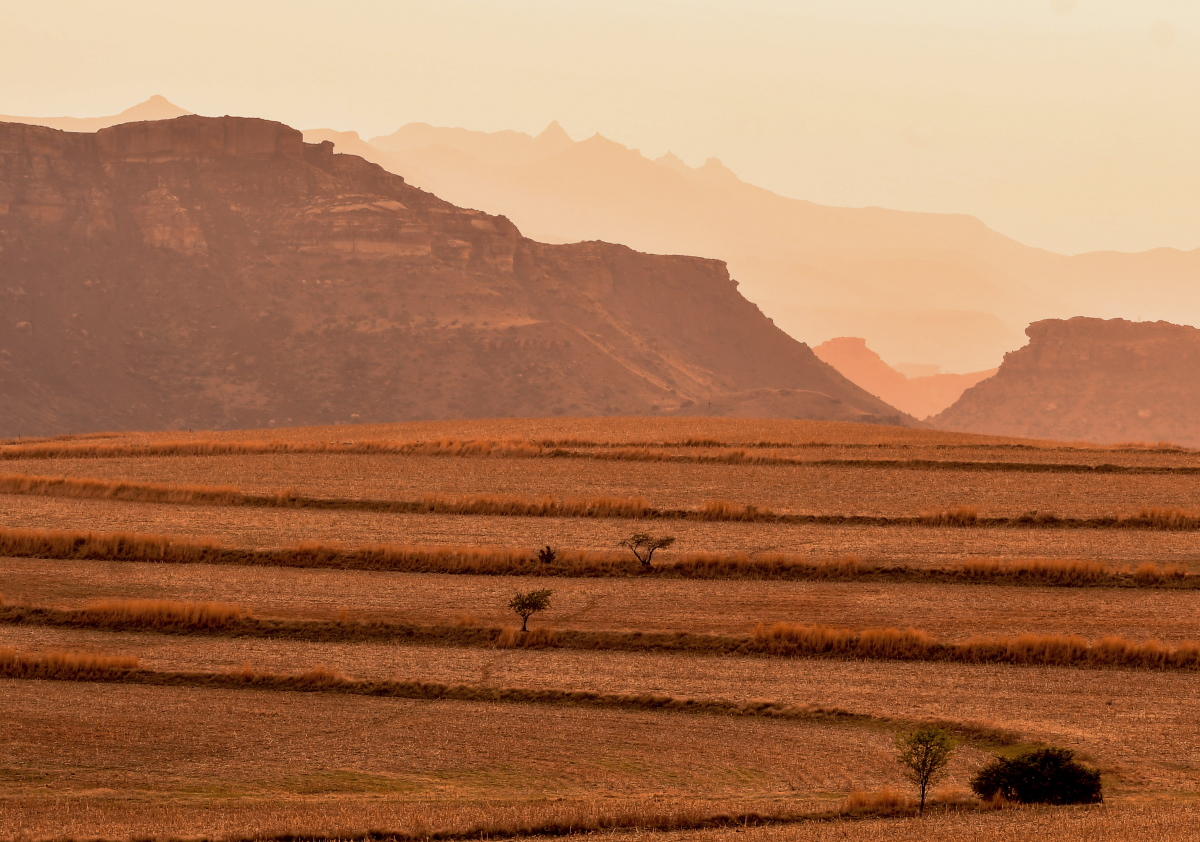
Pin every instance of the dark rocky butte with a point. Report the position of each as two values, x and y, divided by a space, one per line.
220 272
1097 380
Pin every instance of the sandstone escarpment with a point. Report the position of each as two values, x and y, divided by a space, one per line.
220 272
1091 379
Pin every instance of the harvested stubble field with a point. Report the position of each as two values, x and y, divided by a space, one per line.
120 760
1158 822
951 612
253 528
786 489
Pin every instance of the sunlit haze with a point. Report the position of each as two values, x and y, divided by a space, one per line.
1067 125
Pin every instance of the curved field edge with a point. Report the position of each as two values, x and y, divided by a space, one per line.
93 667
784 640
493 561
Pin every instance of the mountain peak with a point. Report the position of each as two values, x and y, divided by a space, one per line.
673 162
158 107
714 169
554 133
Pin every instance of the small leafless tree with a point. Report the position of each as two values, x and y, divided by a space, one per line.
525 605
924 755
643 545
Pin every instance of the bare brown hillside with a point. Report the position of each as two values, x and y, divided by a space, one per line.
220 272
1091 379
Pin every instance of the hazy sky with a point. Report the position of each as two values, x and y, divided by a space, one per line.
1069 124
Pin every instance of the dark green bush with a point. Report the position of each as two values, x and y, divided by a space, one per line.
1042 776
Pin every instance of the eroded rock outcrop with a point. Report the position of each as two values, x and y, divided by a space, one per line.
220 272
1094 380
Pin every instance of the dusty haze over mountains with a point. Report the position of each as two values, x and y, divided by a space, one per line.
1065 124
923 288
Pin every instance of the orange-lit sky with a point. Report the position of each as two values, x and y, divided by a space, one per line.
1068 124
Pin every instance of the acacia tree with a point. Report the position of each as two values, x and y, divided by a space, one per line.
525 605
924 755
643 545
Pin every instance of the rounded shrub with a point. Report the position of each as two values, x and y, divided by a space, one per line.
1042 776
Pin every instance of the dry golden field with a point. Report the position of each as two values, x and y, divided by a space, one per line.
119 760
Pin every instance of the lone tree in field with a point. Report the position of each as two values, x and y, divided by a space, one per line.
643 545
924 755
525 605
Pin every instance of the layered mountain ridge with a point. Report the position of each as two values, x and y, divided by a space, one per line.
222 272
1108 381
927 287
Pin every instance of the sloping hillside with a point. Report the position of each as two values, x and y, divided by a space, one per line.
1094 380
220 272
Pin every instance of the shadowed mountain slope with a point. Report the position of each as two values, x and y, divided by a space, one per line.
1094 380
918 396
220 272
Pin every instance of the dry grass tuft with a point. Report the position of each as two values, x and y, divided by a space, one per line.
1042 571
163 613
65 666
958 516
881 802
723 510
1172 519
522 506
788 639
513 638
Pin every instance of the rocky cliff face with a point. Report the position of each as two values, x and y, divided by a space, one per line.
220 272
1091 379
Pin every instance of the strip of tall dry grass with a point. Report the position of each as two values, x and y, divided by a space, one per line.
741 453
65 666
452 822
161 613
492 561
1026 649
777 640
595 507
77 666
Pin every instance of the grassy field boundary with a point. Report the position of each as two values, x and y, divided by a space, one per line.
577 448
623 508
85 666
782 640
493 561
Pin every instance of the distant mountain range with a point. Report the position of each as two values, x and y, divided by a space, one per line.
155 108
920 396
920 288
221 272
